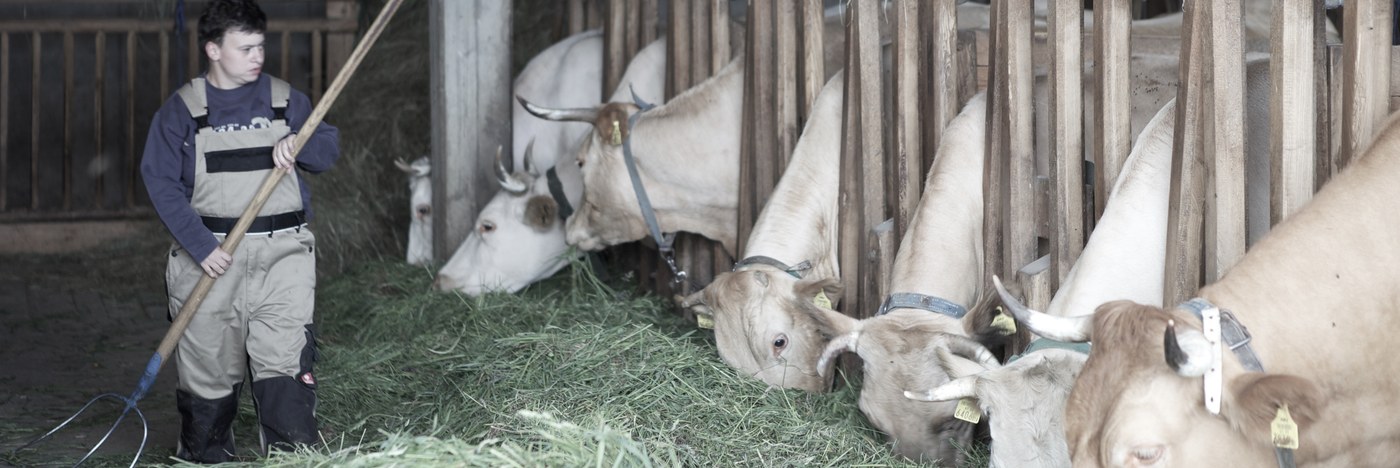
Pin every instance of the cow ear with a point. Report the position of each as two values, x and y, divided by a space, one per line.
1257 398
611 122
983 325
828 288
540 212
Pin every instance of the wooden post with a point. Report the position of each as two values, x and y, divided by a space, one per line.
1020 240
195 52
811 62
994 168
317 71
339 44
651 16
906 170
862 166
1067 139
1365 94
34 124
1113 127
1293 133
1224 98
614 44
99 78
943 101
474 89
133 171
759 166
786 87
577 17
678 43
164 65
719 35
700 67
1187 199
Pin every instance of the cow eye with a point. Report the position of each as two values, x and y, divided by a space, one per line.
424 211
1147 455
487 227
579 161
780 342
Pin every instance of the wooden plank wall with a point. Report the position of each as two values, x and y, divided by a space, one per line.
862 204
697 46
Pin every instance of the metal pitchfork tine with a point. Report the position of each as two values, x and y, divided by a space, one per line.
230 244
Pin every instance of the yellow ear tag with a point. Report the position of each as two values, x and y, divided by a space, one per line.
1004 323
967 411
821 300
617 134
1284 430
705 321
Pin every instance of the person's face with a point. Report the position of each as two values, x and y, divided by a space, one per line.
237 61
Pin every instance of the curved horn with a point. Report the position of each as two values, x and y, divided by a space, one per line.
1069 329
1188 353
530 157
508 181
588 114
957 366
403 166
972 350
958 389
838 345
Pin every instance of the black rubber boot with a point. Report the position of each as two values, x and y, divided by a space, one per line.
286 412
206 434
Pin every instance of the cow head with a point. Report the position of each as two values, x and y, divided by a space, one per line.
1025 400
900 351
420 202
768 325
519 237
609 214
1139 402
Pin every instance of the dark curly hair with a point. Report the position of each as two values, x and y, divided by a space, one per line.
230 15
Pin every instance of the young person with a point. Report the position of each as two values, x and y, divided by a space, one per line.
209 148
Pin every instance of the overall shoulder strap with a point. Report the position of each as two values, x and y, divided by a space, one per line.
281 95
193 94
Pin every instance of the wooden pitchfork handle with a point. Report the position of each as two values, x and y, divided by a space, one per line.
201 289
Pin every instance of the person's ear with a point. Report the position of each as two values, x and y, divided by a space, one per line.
211 50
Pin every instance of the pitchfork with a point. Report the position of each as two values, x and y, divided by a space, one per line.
201 289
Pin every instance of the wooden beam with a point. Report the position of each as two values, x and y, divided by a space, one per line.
906 170
785 84
1113 125
700 66
1225 210
69 96
870 108
1020 170
318 72
164 66
1293 113
339 44
475 91
719 35
1365 94
133 173
1067 139
994 168
348 25
1329 156
285 63
678 41
35 84
943 101
651 15
99 83
614 44
1186 212
577 17
811 57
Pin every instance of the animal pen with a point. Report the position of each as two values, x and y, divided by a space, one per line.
1328 99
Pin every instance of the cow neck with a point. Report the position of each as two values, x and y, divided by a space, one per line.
939 261
686 153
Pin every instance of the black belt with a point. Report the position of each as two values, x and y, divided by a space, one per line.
270 223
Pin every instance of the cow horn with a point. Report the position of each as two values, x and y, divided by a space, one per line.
972 350
1069 329
964 387
529 158
1191 360
508 181
957 366
587 114
838 345
403 166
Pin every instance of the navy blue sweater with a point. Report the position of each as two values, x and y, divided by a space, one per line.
168 164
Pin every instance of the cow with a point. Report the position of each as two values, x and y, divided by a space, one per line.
568 71
938 265
1141 399
519 235
420 203
687 155
1124 258
790 264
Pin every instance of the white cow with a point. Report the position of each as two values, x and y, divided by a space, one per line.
790 261
519 234
936 279
420 204
1124 258
1315 300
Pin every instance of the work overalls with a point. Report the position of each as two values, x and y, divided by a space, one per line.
257 319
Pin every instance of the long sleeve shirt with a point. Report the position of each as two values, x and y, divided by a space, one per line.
168 163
